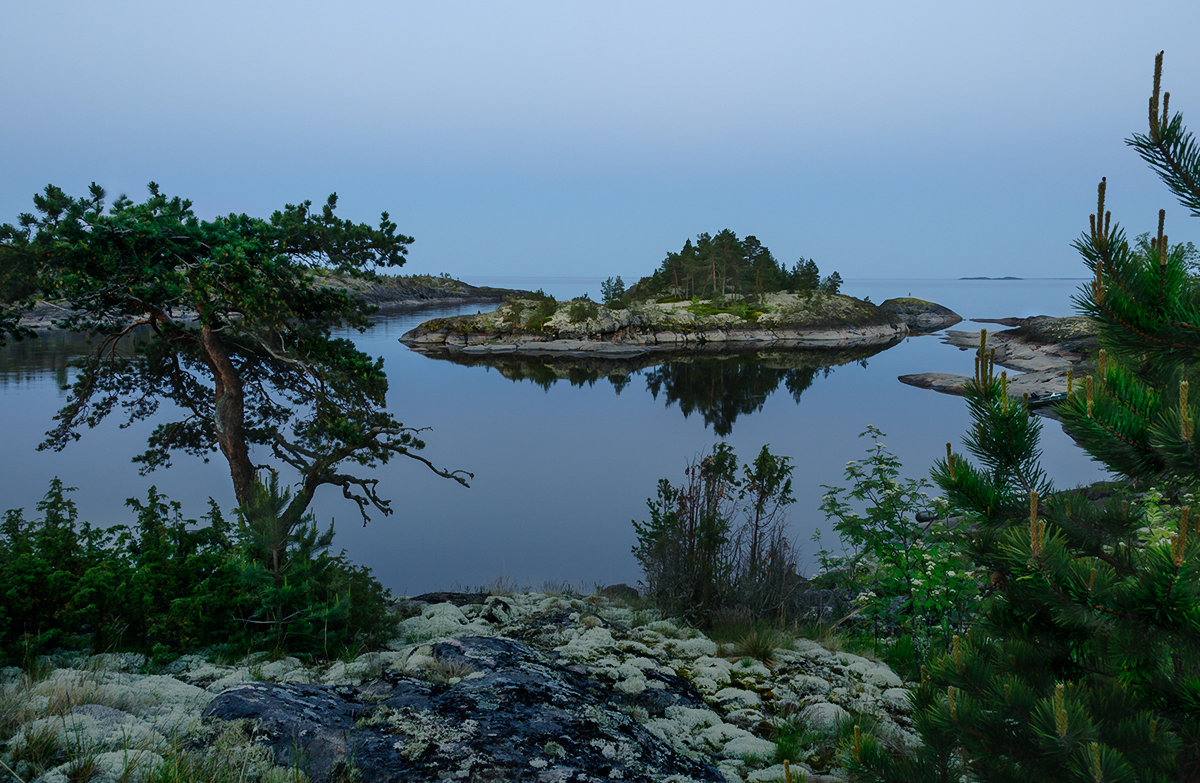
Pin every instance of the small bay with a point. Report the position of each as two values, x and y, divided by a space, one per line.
563 458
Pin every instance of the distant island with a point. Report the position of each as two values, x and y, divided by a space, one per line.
387 292
717 294
984 277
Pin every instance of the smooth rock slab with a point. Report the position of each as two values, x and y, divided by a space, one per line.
515 715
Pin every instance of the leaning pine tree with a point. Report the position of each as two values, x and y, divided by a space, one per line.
1085 663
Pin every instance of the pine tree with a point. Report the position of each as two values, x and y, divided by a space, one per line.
1085 662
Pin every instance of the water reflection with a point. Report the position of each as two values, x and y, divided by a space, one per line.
53 353
718 388
32 359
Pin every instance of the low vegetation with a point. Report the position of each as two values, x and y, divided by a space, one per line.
164 584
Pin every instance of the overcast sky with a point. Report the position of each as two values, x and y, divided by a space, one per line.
883 139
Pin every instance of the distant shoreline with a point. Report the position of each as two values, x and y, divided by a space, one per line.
388 294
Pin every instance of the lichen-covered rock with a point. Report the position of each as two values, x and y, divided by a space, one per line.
874 673
515 714
816 320
504 687
123 766
824 716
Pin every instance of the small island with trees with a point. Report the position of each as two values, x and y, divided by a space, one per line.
719 293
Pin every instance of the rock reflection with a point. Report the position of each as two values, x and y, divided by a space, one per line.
720 388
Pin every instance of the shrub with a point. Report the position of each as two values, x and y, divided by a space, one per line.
167 584
901 559
544 308
582 309
716 543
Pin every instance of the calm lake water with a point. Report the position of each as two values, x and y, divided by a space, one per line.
562 464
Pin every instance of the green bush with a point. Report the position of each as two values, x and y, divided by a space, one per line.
541 314
582 309
904 563
714 547
166 584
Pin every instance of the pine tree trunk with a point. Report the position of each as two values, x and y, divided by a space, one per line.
229 415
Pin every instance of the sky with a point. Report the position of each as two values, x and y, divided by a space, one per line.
586 139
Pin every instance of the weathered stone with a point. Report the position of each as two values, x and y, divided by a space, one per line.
824 716
504 707
787 320
918 314
621 592
516 713
1041 348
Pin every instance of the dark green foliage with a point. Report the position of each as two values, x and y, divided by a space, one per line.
167 584
612 291
582 309
543 310
742 310
296 595
914 588
715 266
831 284
1134 414
1086 656
239 313
805 276
716 543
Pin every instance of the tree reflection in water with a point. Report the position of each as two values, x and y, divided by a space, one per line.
718 387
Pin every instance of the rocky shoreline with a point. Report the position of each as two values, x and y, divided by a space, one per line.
650 342
1042 349
583 328
389 294
537 687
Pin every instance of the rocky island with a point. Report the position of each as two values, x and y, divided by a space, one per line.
580 327
719 294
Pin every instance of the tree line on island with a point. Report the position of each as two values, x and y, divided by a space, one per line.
715 266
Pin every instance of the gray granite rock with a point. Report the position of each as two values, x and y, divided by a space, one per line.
1039 351
509 712
918 314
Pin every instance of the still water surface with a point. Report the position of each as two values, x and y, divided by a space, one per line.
562 464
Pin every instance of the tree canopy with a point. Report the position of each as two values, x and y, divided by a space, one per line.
231 320
713 266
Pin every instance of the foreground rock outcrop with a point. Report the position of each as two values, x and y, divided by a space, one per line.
474 687
506 712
